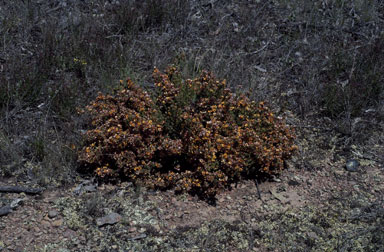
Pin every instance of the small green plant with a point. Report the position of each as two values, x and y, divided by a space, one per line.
194 135
38 148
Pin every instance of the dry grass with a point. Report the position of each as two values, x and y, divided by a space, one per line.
315 58
319 57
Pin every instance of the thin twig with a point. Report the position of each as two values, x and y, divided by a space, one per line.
310 127
258 190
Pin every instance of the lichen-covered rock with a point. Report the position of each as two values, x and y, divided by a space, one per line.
109 219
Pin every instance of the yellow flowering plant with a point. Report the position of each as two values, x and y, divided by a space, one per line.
125 140
192 135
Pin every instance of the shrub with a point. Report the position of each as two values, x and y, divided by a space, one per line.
126 139
194 135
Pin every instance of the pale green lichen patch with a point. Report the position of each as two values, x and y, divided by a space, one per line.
135 211
71 208
216 235
337 226
346 221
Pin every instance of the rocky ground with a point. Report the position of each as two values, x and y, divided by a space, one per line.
315 205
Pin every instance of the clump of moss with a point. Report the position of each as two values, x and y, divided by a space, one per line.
194 135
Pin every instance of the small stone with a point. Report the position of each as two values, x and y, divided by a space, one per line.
77 190
109 219
69 234
142 230
15 203
352 165
157 227
297 178
45 223
85 186
313 235
57 223
90 188
339 172
52 214
132 229
27 242
293 182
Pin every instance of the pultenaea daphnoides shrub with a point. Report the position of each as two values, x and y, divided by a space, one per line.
192 135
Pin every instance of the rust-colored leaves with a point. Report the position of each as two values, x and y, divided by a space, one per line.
194 135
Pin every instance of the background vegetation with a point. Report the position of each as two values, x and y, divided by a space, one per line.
314 58
320 63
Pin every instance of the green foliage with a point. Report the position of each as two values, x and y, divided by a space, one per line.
194 135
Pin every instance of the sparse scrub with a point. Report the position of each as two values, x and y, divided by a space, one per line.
194 135
318 62
295 54
286 56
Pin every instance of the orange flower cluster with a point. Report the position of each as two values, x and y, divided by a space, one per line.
126 140
224 137
194 135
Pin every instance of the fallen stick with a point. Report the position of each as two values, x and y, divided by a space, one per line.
138 237
258 190
20 189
